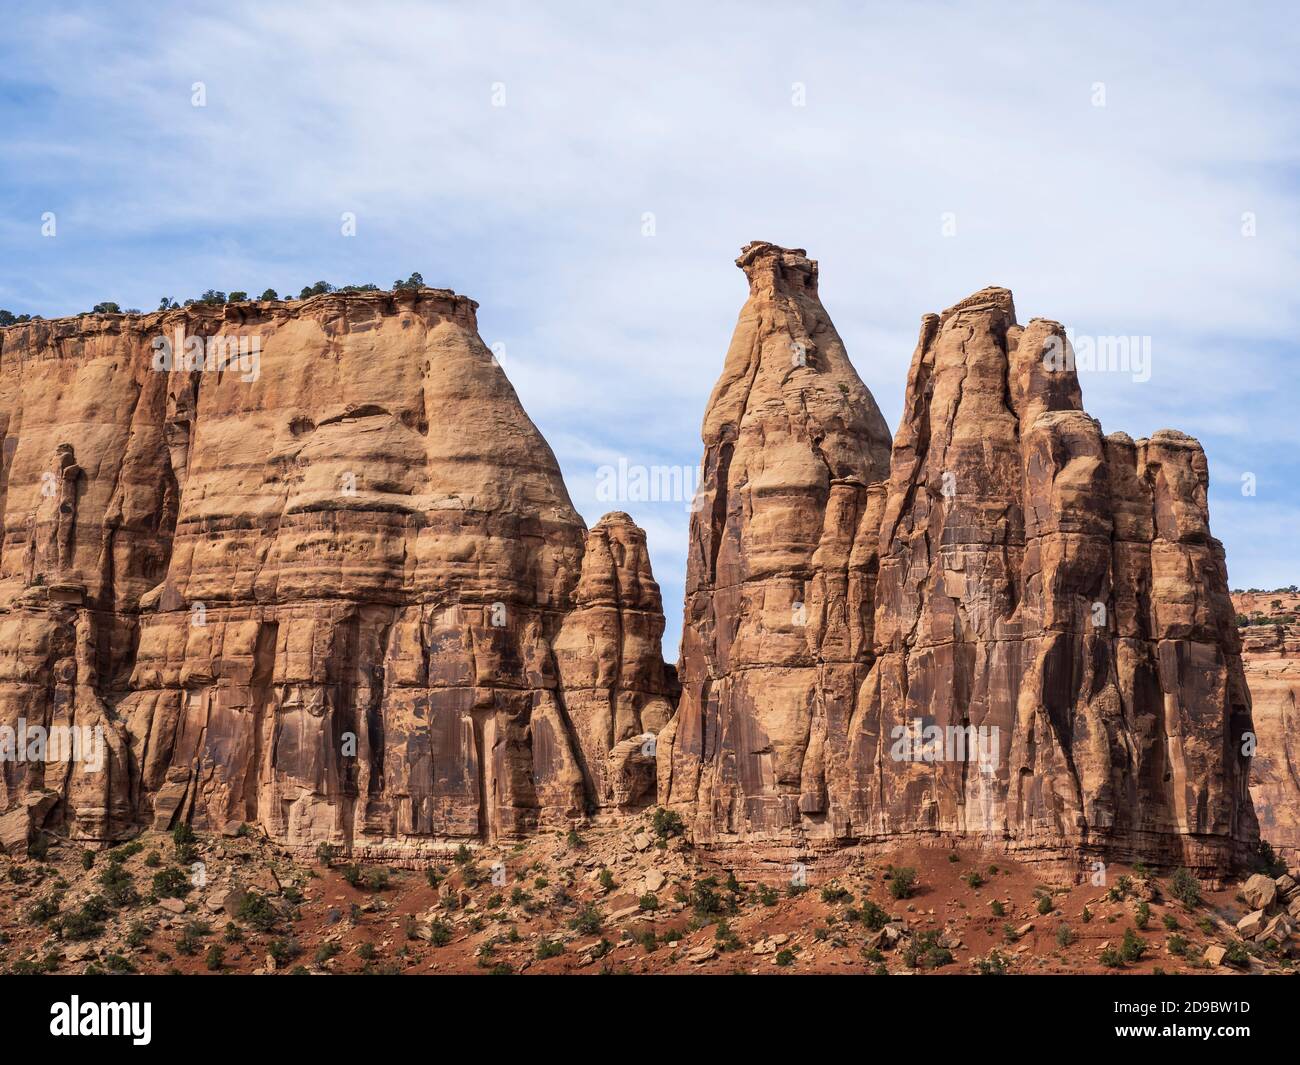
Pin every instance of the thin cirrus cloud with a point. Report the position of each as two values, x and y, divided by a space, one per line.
1123 219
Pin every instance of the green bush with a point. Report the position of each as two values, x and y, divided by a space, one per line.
923 951
666 823
588 921
326 951
903 882
171 883
873 916
549 948
283 950
257 912
1236 955
1185 888
1132 948
118 885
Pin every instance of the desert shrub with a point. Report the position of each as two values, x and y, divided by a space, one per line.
1132 948
923 951
171 883
257 912
666 823
283 950
588 921
1236 955
903 882
549 948
872 915
118 885
1185 888
326 951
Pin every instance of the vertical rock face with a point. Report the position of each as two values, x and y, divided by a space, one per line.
313 583
1053 597
616 688
777 617
1271 653
1016 631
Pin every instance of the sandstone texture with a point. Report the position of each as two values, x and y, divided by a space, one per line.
777 631
329 583
1270 640
1011 577
309 566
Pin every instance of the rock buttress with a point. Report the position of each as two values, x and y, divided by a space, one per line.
776 634
1271 654
1051 598
315 589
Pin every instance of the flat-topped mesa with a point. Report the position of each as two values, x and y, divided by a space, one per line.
774 614
306 573
1057 592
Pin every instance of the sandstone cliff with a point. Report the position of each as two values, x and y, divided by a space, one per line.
312 567
1270 629
1048 596
777 618
319 583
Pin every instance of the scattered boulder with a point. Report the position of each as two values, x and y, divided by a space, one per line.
1260 891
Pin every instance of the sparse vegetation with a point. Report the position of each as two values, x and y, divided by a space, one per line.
902 882
1185 888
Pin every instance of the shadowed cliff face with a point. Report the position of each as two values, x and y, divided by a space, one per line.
1016 631
317 589
1271 653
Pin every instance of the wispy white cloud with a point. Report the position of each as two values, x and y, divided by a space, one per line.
1122 219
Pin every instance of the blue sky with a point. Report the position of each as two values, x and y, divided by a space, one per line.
1098 161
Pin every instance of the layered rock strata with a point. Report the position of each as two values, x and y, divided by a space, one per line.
1270 630
313 571
1017 633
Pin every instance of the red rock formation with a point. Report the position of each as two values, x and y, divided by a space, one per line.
616 688
1271 654
316 587
777 617
1038 588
